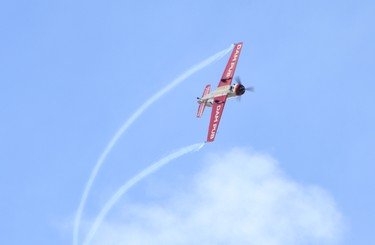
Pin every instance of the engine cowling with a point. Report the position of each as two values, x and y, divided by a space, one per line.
240 89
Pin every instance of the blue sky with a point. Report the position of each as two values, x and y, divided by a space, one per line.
73 71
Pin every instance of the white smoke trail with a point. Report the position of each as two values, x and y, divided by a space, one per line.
130 183
129 122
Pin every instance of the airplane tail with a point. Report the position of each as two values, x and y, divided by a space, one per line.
202 105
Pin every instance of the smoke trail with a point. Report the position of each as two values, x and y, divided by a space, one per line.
130 183
129 122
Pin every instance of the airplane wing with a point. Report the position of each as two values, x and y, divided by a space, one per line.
227 77
217 110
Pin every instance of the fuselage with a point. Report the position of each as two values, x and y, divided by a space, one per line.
229 90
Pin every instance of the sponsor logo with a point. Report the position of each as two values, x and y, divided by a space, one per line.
216 121
234 61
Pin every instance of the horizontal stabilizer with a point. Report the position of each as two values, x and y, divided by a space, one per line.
203 104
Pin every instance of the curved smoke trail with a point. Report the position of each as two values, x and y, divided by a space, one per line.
129 122
130 183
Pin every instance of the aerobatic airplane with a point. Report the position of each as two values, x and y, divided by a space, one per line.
217 99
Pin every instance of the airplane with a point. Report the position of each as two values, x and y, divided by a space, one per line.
225 90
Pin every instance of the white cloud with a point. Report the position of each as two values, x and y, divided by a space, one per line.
241 197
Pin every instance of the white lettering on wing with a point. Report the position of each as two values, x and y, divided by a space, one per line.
233 61
216 121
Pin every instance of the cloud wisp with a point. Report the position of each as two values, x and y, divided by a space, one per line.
240 197
127 124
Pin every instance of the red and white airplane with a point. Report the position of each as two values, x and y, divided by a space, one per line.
217 99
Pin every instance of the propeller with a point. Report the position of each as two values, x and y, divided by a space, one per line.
251 89
238 80
240 90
